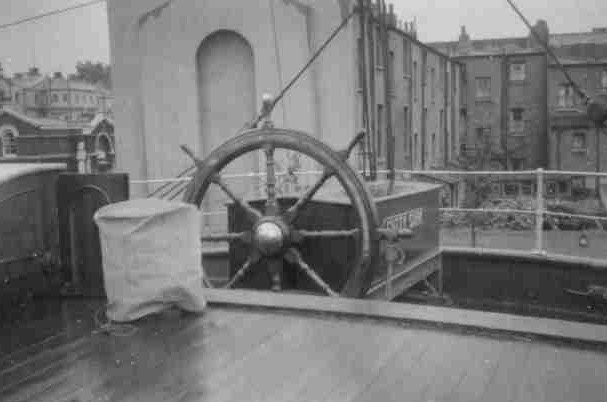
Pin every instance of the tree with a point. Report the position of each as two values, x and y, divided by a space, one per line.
94 73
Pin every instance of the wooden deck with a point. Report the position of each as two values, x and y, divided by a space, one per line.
54 351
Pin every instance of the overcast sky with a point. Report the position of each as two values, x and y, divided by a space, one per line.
57 42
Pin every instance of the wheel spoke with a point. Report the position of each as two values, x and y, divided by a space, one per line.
294 210
326 233
271 203
243 236
254 258
251 212
294 257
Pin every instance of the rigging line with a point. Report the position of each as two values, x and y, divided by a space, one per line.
546 47
50 13
278 61
304 68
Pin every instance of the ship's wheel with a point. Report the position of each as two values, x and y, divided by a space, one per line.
273 235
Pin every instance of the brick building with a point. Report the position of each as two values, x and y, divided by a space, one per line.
28 139
506 100
423 100
41 96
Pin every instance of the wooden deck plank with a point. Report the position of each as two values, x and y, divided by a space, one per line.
96 350
364 350
385 385
413 385
182 362
478 371
563 374
255 380
509 374
260 354
107 357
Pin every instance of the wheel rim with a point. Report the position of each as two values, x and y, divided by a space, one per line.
273 235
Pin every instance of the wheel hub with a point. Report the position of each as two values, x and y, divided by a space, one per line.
269 238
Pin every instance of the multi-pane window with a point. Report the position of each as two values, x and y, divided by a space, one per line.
483 133
406 131
579 142
517 122
406 54
604 80
380 129
9 144
432 83
415 80
378 48
566 97
483 87
517 71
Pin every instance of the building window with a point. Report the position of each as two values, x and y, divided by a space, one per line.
391 89
566 96
433 150
517 122
578 144
483 87
406 131
518 164
380 129
415 148
55 98
64 97
17 97
9 143
511 189
415 80
483 133
3 95
432 83
604 80
378 49
526 187
517 72
406 54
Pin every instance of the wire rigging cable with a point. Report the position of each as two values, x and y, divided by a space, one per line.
50 13
546 46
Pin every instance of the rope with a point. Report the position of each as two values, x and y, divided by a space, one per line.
278 60
48 14
307 65
110 328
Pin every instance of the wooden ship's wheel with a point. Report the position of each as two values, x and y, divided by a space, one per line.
273 236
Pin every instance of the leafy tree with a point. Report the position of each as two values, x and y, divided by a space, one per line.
94 73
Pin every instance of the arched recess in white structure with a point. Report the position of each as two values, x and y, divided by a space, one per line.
8 140
226 93
103 145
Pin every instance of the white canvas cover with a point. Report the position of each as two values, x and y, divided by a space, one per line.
151 256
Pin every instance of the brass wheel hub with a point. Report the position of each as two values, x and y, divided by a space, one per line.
269 238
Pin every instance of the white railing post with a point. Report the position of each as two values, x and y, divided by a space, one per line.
539 213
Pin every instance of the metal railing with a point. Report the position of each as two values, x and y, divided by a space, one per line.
542 238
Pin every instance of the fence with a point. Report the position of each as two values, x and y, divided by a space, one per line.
536 211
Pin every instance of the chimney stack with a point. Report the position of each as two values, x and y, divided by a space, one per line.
33 72
541 29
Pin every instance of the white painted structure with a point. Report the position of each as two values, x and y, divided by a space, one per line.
193 72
